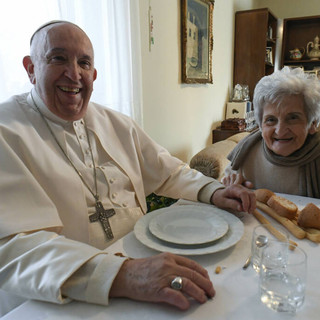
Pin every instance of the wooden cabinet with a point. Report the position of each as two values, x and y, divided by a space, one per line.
297 32
255 33
219 134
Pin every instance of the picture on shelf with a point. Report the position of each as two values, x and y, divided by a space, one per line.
269 57
313 73
297 66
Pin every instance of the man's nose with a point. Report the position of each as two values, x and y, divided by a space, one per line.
73 71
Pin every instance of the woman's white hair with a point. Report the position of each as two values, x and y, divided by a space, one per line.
286 82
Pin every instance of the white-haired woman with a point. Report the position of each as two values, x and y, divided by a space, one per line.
284 154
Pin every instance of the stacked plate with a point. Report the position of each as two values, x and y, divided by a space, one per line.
189 229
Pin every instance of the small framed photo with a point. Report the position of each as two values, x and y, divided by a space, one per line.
315 73
269 57
196 40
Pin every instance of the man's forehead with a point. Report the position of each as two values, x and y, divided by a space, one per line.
54 36
51 23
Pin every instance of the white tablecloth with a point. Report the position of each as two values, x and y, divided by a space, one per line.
236 289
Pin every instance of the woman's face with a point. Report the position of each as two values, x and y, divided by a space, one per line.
285 128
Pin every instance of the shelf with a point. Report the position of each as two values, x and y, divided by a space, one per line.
271 41
297 33
300 61
306 64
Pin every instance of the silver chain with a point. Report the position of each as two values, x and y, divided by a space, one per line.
95 195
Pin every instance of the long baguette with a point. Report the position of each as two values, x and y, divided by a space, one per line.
294 229
280 236
311 233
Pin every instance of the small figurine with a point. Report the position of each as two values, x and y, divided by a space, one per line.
245 92
237 93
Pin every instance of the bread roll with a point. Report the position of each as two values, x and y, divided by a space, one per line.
309 216
283 207
263 195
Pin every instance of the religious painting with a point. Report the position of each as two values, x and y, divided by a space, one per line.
197 40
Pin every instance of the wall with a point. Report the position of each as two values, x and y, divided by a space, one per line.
291 8
178 116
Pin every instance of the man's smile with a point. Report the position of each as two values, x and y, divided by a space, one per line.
69 90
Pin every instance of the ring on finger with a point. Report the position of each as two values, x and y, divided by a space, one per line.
176 283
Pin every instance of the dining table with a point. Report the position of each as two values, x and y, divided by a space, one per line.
237 289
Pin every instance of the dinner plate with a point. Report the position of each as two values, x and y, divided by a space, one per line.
233 235
188 225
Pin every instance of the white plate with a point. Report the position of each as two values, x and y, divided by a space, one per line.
233 235
188 225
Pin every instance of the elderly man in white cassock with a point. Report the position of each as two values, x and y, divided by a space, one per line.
74 179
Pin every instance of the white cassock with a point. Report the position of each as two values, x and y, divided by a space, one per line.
49 250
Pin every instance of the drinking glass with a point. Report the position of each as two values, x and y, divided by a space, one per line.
262 230
283 274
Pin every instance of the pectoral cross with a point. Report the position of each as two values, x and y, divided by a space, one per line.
103 215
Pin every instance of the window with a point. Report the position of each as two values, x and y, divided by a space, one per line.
112 26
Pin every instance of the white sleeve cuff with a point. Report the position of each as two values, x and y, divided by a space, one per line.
92 282
207 191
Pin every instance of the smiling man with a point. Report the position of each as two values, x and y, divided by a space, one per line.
74 179
61 67
284 154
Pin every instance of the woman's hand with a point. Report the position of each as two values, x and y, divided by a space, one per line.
149 279
236 178
235 197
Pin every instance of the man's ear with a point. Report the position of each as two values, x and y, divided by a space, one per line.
313 128
95 74
29 66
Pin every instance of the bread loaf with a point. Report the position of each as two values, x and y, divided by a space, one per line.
309 216
263 195
282 206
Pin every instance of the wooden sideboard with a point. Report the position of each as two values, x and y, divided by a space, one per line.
219 134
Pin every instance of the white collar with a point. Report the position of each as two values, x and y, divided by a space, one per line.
34 98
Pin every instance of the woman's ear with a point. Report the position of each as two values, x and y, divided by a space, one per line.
313 128
29 66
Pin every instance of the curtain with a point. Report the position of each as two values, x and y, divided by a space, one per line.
114 29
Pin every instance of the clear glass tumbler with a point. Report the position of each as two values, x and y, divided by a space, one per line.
283 275
261 232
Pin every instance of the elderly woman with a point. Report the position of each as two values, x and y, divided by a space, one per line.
284 154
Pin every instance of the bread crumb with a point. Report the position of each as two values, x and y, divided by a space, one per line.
218 270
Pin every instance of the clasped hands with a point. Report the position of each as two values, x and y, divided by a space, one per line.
235 196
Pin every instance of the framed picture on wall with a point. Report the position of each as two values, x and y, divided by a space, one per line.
197 40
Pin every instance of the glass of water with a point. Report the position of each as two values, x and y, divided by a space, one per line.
260 237
283 276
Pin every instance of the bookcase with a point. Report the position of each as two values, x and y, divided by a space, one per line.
254 46
297 33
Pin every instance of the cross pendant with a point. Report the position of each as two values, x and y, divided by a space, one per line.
103 215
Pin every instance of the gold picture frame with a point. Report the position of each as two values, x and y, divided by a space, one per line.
197 40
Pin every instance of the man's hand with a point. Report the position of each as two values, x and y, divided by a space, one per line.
149 279
235 197
236 178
